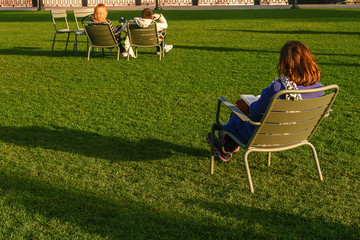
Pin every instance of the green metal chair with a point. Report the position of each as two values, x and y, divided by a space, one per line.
144 37
60 15
81 13
100 35
285 125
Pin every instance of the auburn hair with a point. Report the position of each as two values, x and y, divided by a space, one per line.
147 13
100 13
298 64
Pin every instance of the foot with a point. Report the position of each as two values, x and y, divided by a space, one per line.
225 156
124 54
168 47
229 145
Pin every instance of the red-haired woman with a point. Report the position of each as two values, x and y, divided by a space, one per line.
100 15
297 69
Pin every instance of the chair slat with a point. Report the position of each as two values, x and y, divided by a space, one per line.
269 128
263 139
300 105
296 116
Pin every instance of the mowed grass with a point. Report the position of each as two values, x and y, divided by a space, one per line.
107 149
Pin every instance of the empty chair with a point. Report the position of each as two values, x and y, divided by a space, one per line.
82 13
285 125
60 15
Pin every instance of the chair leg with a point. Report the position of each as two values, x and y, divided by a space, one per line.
269 159
316 161
118 54
89 50
248 171
67 41
52 49
212 162
103 52
75 45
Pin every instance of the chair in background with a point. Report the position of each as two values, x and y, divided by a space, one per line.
144 37
60 15
285 125
100 35
82 13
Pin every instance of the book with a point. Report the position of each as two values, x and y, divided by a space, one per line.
249 99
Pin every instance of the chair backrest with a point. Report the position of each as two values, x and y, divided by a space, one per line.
100 34
81 13
143 37
287 123
59 14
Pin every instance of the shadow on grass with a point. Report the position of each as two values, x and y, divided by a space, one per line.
93 144
59 51
128 217
341 64
224 49
284 32
277 224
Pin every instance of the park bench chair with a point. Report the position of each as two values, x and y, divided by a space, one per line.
285 125
144 37
60 15
100 35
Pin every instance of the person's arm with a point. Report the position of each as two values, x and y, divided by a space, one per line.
162 24
112 26
258 108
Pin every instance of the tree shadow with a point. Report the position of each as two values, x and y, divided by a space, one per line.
277 224
223 49
341 64
129 217
94 145
36 51
284 31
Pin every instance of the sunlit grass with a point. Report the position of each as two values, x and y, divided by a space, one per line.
107 149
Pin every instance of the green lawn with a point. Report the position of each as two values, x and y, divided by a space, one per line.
107 149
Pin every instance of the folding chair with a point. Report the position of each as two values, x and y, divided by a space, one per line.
144 37
60 14
285 125
100 35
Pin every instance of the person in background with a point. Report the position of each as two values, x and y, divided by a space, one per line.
297 69
147 17
100 15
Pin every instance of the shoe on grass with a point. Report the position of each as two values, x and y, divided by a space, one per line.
225 156
168 47
228 144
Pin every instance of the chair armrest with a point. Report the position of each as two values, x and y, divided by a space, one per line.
236 111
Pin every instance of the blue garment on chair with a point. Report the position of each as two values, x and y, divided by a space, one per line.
244 130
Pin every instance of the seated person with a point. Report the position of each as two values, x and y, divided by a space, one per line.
297 69
147 17
100 15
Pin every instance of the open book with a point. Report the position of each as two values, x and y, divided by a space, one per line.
249 99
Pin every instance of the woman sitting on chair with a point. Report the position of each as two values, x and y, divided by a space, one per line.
299 70
100 15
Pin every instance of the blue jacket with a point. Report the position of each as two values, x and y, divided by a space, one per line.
244 130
